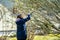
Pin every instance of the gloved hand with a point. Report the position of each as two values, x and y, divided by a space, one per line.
30 13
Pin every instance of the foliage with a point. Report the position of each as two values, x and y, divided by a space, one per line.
45 15
45 37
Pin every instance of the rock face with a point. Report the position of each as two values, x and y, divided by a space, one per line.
7 21
46 15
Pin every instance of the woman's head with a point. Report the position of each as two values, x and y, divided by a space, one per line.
20 16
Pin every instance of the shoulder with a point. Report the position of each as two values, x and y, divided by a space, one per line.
18 19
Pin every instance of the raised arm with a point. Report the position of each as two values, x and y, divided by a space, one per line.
18 21
27 18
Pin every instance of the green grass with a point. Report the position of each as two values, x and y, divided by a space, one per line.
13 38
46 37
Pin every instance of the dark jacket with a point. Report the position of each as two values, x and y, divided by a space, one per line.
21 27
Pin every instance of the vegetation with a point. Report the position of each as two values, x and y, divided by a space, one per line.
46 37
45 19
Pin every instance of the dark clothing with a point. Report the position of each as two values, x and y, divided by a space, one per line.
21 27
21 39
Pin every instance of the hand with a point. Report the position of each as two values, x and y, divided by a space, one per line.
29 13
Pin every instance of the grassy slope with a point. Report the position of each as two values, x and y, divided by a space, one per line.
47 37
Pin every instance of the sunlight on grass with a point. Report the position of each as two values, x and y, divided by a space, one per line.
13 38
45 37
48 37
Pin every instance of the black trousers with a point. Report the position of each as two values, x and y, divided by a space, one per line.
20 39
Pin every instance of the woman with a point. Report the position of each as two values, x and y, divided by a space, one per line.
21 27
